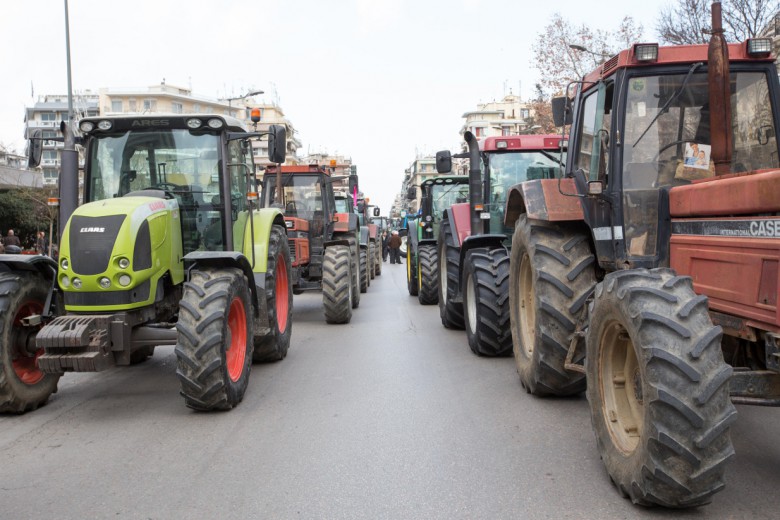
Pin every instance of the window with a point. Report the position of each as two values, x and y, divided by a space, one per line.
116 105
177 108
196 108
525 113
593 152
48 116
150 105
506 130
133 105
479 132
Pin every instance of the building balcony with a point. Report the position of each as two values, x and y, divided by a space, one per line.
50 162
42 124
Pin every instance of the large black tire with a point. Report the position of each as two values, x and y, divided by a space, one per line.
214 348
412 282
337 284
371 261
278 299
486 301
378 258
427 273
354 249
451 312
364 276
22 386
658 388
552 273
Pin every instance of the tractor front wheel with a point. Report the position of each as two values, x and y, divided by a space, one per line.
23 387
337 284
450 311
658 388
428 262
279 301
486 302
214 348
552 273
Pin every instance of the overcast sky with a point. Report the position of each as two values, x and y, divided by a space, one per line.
377 80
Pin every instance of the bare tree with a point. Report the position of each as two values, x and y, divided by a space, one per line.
688 21
559 63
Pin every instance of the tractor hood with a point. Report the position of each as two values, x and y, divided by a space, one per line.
114 252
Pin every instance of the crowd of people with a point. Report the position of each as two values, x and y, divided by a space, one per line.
11 243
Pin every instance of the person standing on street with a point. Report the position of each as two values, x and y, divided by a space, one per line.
385 248
41 244
395 248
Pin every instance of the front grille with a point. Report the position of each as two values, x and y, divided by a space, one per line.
99 298
92 242
291 244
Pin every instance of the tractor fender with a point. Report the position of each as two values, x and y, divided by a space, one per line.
336 241
345 222
364 236
492 241
262 222
459 216
543 199
43 264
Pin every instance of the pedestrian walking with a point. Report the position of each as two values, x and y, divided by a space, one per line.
41 244
385 246
395 248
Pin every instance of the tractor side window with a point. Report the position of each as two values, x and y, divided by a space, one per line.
595 133
239 162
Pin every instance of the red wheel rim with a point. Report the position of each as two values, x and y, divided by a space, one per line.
282 294
26 368
236 353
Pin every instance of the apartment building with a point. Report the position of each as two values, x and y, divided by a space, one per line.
272 114
510 116
421 169
46 115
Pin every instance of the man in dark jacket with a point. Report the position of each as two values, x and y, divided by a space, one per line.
11 239
395 248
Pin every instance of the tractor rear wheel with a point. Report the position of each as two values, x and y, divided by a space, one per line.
364 277
337 284
354 249
371 261
658 388
486 301
428 262
279 302
552 273
214 348
451 312
23 387
412 283
378 257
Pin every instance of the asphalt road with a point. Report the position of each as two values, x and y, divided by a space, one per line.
390 416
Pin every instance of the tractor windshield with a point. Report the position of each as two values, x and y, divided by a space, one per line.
676 147
445 195
171 160
667 141
302 195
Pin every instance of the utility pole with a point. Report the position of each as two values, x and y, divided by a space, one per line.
69 169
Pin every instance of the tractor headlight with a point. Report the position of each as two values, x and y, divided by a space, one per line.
124 280
65 281
215 123
105 125
104 282
124 263
64 263
87 126
77 283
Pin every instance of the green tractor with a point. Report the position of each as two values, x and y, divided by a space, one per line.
422 259
166 249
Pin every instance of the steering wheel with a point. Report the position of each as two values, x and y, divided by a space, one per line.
667 146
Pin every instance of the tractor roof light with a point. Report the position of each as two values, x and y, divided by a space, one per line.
501 145
86 126
105 124
645 52
759 47
194 123
254 115
215 123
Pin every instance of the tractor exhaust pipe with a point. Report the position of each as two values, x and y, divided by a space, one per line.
475 183
720 95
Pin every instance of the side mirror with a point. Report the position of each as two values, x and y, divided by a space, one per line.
353 183
561 111
411 193
277 144
376 212
444 161
34 148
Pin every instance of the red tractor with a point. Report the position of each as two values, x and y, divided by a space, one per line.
651 269
473 241
324 246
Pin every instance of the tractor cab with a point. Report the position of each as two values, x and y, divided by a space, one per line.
644 127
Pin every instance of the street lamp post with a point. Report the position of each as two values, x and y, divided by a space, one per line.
601 55
248 94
